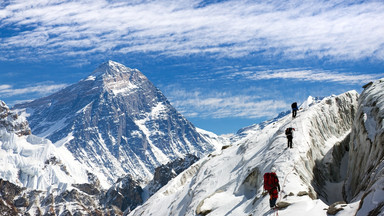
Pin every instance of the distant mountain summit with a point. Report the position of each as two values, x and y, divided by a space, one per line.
116 122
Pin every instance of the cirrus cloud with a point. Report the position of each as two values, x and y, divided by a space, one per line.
302 74
39 89
224 105
293 29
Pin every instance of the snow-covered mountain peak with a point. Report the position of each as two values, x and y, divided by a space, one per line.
111 68
116 122
117 78
310 101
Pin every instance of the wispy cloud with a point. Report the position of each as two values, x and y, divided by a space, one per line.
223 105
257 99
311 75
38 90
292 29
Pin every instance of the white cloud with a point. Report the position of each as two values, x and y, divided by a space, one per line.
260 73
255 101
4 87
295 29
223 105
38 89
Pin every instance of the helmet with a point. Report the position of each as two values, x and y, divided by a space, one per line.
273 169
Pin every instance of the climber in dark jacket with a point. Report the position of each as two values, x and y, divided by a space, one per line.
294 109
289 134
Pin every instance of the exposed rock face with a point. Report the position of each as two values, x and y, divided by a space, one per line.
116 122
92 187
8 192
11 121
366 155
335 208
125 194
15 200
164 173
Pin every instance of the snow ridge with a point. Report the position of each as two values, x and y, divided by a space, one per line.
229 182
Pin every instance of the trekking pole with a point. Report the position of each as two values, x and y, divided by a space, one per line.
276 212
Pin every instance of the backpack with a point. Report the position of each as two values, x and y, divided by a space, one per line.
270 181
288 131
294 105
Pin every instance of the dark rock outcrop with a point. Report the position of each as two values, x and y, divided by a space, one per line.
125 193
335 208
8 121
8 192
164 173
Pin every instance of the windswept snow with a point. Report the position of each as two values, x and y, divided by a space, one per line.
122 87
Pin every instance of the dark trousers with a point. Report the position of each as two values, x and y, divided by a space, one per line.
294 112
272 202
273 197
290 138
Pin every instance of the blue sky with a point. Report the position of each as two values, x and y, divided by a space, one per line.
223 64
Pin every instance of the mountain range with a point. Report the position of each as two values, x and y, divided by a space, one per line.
112 144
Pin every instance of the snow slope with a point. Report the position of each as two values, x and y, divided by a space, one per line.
229 182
